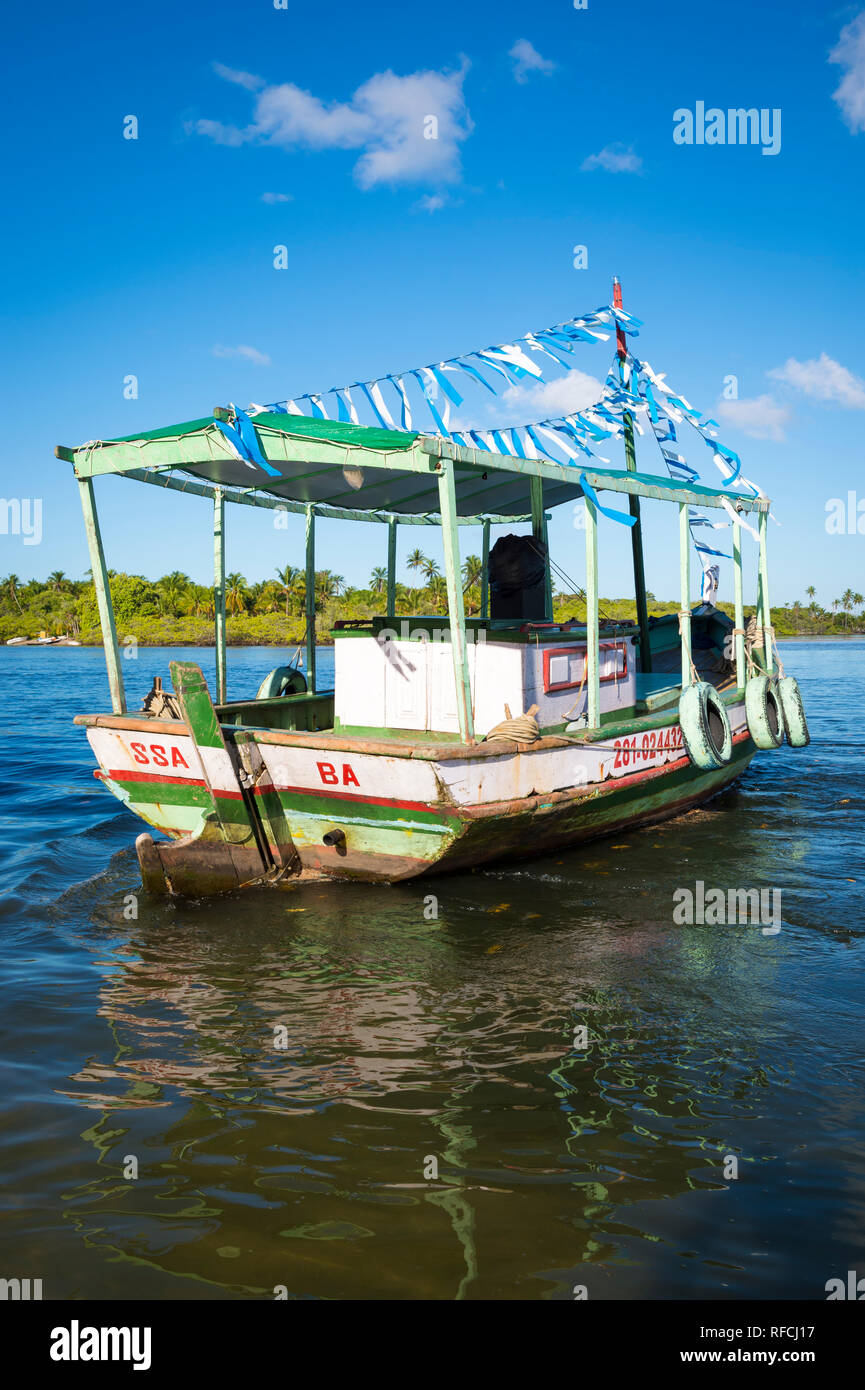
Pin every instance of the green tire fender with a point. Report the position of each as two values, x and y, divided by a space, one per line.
763 712
284 680
794 712
705 726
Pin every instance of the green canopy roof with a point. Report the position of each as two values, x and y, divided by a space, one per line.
344 466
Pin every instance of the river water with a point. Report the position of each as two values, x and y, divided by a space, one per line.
431 1125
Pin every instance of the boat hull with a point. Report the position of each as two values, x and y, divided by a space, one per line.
285 804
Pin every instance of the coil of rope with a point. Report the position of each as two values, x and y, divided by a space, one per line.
522 729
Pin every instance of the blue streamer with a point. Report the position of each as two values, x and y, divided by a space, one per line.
624 518
245 441
446 386
427 390
378 414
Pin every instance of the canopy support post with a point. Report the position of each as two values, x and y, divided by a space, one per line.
593 674
539 534
739 606
391 566
310 599
103 596
456 609
219 592
685 592
633 502
765 610
485 570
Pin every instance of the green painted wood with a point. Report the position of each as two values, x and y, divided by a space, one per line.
456 609
485 568
739 606
391 566
765 606
219 593
206 446
685 592
310 599
103 596
539 532
633 501
251 498
593 673
229 812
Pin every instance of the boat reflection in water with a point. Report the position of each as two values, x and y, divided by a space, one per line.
379 1104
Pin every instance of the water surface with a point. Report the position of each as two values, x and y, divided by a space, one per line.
411 1042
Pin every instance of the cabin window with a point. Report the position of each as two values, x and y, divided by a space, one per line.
565 667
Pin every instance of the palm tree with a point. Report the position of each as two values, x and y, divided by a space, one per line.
11 582
57 580
235 593
430 569
846 604
857 602
473 568
328 584
811 592
378 579
287 577
416 559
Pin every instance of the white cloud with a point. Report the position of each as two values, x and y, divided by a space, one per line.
243 79
532 401
527 59
823 379
277 197
761 417
849 53
409 129
430 202
616 159
251 354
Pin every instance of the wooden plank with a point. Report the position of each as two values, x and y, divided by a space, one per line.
485 571
685 592
593 673
633 501
456 610
765 608
310 598
103 596
219 593
251 498
739 607
391 566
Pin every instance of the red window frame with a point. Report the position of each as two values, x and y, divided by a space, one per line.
552 688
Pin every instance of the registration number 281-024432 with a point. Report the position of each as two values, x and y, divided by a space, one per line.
648 747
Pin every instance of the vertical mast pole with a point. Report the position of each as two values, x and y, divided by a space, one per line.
539 534
485 570
593 674
219 592
765 610
738 599
456 610
103 595
633 502
391 566
310 599
685 592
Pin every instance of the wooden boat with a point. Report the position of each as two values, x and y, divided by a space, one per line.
446 742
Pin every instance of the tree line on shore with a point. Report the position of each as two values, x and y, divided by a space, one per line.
174 608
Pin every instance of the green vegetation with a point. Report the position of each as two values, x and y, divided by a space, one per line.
175 611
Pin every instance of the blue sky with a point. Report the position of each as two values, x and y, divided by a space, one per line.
153 257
